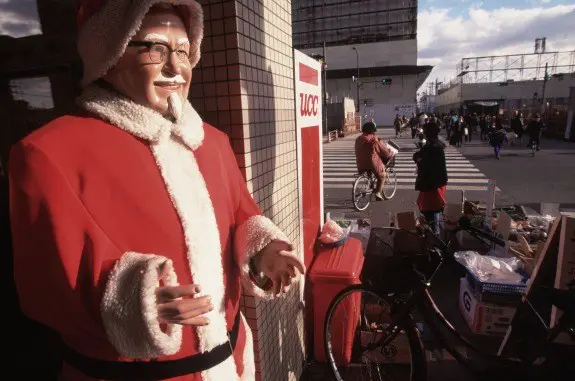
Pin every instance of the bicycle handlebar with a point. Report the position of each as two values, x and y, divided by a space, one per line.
465 224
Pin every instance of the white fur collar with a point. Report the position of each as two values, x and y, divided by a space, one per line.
142 121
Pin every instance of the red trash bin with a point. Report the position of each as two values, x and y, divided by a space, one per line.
333 270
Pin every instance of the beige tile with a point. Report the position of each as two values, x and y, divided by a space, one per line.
229 8
219 42
219 58
217 27
207 74
209 89
216 11
230 25
233 72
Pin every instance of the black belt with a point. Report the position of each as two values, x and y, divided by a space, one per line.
152 370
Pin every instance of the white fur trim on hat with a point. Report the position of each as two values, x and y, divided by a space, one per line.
129 311
102 40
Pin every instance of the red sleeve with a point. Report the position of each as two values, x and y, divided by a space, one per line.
56 270
71 277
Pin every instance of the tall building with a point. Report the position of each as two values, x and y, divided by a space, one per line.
375 40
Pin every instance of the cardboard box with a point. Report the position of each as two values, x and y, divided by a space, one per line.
483 318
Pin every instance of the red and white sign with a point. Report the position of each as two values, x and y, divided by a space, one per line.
308 94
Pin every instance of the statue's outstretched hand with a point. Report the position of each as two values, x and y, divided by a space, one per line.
279 263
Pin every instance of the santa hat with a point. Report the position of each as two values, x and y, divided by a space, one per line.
106 26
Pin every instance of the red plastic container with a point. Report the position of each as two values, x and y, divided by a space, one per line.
332 271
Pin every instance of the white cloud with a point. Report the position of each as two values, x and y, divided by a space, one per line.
443 39
19 18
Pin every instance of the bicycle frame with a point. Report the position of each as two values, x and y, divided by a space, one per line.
421 298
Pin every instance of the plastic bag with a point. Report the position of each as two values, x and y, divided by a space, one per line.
491 269
332 232
393 150
541 223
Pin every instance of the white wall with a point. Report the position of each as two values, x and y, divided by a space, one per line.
389 53
385 97
555 88
448 97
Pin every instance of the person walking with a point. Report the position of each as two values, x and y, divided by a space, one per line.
397 123
517 124
447 125
457 132
483 127
413 125
431 181
371 154
534 129
472 127
497 138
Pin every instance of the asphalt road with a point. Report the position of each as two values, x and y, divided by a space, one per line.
548 177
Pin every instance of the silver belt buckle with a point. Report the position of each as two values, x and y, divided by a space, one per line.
230 343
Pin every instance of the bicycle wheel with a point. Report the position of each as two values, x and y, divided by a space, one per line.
360 344
390 186
361 193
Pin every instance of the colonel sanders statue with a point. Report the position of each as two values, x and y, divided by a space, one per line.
132 225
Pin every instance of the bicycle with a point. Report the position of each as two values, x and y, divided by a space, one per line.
366 183
382 322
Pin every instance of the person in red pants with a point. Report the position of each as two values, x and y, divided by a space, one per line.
432 178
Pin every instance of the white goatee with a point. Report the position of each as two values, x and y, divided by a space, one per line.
175 106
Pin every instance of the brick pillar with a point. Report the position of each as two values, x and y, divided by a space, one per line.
244 86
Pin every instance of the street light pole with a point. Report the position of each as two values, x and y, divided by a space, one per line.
357 79
544 84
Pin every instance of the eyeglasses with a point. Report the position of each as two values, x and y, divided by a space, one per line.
159 51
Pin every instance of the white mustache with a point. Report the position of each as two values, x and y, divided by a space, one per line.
178 79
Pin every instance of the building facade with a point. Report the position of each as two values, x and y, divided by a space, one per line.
517 81
370 48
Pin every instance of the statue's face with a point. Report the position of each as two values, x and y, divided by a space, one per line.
150 73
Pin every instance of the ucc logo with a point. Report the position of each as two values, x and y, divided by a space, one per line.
308 104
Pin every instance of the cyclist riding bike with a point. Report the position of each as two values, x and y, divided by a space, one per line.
534 129
371 154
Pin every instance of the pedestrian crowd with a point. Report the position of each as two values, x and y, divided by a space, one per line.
432 178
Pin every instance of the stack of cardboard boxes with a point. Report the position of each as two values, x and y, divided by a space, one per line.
486 314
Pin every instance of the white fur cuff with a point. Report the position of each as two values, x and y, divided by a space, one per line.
129 308
250 238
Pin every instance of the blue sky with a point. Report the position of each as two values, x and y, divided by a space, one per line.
449 30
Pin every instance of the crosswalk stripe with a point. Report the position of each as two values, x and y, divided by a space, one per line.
454 163
396 169
340 169
351 175
405 180
467 188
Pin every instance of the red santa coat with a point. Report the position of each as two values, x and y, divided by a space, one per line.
99 202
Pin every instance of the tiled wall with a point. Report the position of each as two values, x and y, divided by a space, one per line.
244 86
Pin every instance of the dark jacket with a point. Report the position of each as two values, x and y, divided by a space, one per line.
534 128
431 167
517 125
